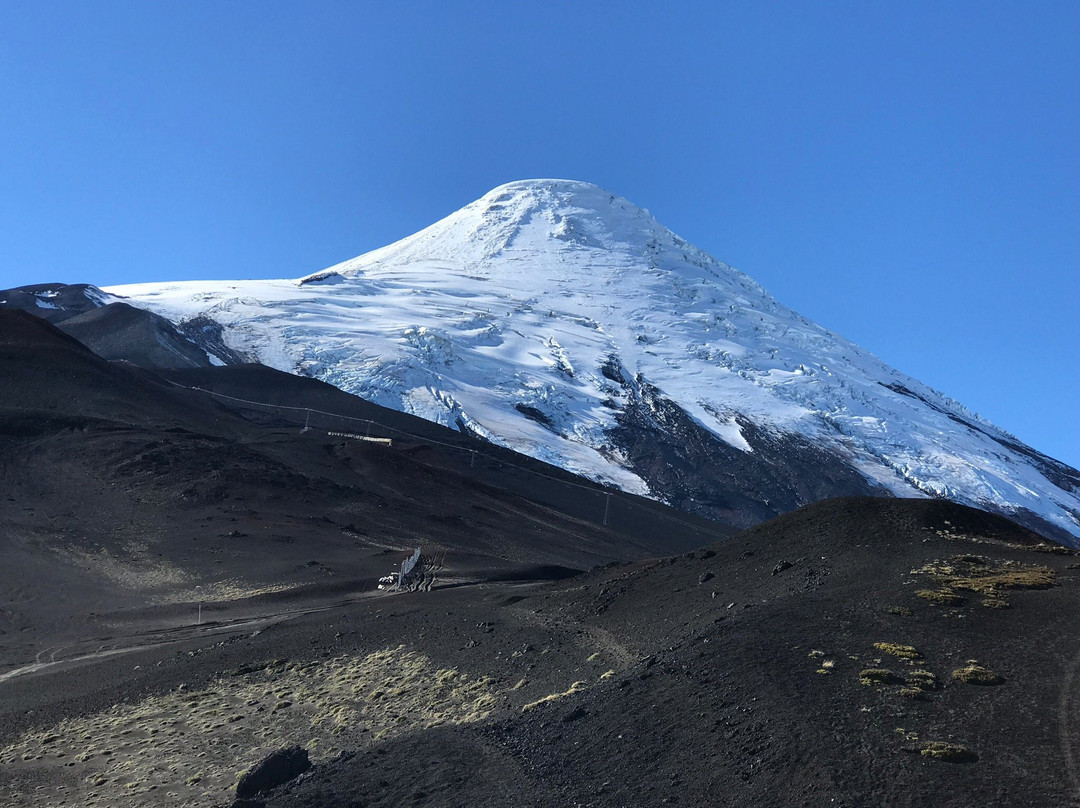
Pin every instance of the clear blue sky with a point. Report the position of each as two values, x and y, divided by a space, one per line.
907 174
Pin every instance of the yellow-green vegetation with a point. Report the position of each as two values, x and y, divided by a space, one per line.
574 688
975 674
942 597
902 611
951 533
988 577
969 559
826 666
951 752
920 677
139 568
897 650
230 589
1054 549
878 676
920 682
186 746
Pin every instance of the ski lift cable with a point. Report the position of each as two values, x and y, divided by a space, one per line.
426 439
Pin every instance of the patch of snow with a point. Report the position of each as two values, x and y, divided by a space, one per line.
98 297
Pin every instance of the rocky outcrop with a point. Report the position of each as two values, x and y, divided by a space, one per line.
273 770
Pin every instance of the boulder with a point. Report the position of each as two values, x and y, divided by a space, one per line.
273 770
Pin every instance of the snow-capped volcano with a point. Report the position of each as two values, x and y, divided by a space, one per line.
562 321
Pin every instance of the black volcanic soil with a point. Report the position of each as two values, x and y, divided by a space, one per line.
806 661
719 677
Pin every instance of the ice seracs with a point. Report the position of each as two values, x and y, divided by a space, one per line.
551 315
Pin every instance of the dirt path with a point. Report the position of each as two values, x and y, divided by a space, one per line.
75 654
600 638
103 652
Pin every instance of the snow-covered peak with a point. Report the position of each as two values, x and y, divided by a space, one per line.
549 314
548 217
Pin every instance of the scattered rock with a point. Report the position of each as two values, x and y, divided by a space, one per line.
273 770
574 715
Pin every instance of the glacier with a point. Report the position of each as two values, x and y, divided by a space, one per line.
538 314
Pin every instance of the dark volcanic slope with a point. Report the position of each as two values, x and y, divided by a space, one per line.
49 379
120 331
126 496
54 302
326 408
116 330
729 676
737 677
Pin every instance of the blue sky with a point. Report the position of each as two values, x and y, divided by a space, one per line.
906 174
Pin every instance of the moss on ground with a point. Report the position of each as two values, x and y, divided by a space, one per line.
574 688
949 752
897 650
975 674
984 576
878 676
942 597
